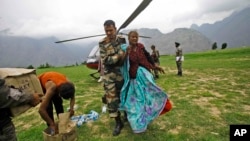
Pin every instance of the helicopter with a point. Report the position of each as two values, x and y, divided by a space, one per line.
93 59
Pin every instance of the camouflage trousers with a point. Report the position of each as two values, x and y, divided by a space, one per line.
113 83
7 133
179 66
156 72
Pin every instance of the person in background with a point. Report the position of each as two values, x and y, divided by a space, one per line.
179 58
155 55
112 57
141 98
9 98
55 86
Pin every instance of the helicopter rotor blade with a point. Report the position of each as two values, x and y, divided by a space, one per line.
80 38
144 36
139 35
137 11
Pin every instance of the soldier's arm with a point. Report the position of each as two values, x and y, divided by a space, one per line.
158 54
122 55
11 97
103 55
108 58
180 54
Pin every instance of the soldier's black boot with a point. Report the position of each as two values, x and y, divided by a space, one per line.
118 126
178 73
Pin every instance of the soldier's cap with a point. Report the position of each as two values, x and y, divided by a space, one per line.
177 44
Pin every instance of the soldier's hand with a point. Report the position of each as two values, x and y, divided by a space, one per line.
37 98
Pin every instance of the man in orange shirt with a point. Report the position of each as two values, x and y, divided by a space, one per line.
55 86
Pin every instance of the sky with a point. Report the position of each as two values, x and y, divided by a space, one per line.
67 19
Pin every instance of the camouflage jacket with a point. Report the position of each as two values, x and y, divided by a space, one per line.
155 55
110 53
178 51
10 97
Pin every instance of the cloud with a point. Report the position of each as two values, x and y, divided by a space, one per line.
221 5
76 18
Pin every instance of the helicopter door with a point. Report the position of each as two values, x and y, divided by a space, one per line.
93 58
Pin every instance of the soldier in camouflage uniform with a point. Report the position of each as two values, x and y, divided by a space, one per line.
12 97
178 58
112 57
155 56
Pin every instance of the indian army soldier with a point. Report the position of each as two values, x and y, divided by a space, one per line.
155 56
179 58
112 57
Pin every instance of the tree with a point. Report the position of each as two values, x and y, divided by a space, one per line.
30 67
41 66
214 46
47 65
224 45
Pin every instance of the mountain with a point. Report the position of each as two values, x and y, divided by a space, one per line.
18 51
190 40
233 30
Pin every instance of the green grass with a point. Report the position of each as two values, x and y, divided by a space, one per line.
212 94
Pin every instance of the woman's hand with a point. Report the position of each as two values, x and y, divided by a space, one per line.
128 50
160 69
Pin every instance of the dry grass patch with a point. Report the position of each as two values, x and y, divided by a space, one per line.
175 130
204 103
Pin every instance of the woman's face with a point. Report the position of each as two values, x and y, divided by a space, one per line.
133 38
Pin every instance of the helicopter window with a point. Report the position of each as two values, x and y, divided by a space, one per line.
94 52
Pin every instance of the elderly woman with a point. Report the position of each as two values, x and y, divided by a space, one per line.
141 98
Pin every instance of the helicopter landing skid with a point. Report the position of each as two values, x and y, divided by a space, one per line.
93 75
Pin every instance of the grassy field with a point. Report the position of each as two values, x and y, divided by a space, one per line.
212 94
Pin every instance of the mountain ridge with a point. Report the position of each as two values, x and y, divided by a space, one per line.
18 51
233 30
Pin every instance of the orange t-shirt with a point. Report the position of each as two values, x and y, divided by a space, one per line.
56 77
